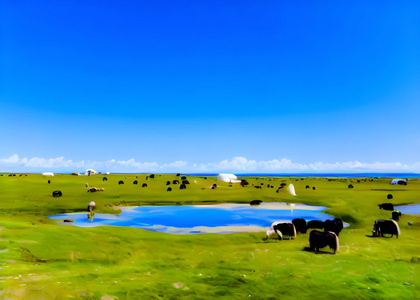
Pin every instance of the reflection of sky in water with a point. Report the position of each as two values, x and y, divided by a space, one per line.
413 209
198 219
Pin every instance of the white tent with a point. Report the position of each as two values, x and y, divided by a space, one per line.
227 177
90 172
399 181
48 174
291 190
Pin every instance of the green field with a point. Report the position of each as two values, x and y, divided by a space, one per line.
42 260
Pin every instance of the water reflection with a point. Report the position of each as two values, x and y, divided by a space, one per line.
222 218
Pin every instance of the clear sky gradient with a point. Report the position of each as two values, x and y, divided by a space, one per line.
211 85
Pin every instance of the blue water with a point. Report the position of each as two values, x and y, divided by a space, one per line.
187 219
413 209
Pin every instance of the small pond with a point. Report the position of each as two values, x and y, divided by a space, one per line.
413 209
222 218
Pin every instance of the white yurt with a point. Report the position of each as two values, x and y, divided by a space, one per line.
399 181
227 177
48 174
90 172
291 190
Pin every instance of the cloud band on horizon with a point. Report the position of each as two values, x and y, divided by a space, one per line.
236 164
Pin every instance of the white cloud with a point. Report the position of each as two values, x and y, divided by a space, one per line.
237 164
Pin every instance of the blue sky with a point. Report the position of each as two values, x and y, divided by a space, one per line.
190 86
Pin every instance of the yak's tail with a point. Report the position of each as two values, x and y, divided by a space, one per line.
294 230
337 243
280 234
397 227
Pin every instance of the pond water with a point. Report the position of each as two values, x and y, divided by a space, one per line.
222 218
413 209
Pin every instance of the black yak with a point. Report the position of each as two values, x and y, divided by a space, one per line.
152 176
183 177
315 224
318 239
169 189
279 229
300 225
185 182
396 215
381 227
175 182
168 183
144 185
57 194
135 182
255 202
313 188
182 187
104 179
351 186
120 182
244 182
389 196
335 225
307 187
386 206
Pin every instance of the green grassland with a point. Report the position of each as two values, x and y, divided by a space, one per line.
42 260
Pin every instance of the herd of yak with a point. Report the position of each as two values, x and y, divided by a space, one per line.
332 228
280 229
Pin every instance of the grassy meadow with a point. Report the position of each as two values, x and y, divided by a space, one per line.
42 260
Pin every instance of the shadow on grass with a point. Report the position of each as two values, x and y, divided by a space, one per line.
307 249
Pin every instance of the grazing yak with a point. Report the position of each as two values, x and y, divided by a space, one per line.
169 189
120 182
91 206
300 225
255 202
386 206
184 178
279 229
135 182
257 186
49 181
144 185
152 176
94 189
389 196
57 194
185 182
335 226
381 227
168 183
175 182
318 239
307 187
244 182
315 224
182 187
282 184
396 215
351 186
104 179
177 174
313 188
